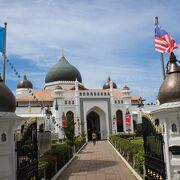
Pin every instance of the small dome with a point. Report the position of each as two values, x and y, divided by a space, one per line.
107 84
170 88
25 83
63 71
7 99
126 88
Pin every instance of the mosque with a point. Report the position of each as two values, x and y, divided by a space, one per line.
106 110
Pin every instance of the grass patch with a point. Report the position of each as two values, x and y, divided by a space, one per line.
137 141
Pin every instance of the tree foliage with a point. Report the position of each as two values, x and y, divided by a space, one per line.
69 129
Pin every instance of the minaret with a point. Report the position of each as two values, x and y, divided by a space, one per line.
168 114
58 104
113 113
77 109
126 97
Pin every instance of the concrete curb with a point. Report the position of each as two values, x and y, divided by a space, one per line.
67 164
127 164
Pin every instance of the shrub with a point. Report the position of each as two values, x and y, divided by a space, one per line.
139 161
139 130
133 150
62 152
59 154
46 166
79 141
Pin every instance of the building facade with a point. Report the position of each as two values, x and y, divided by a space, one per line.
105 111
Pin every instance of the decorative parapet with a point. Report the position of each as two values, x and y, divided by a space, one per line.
94 93
60 82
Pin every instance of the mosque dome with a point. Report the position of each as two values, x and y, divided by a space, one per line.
107 84
7 99
170 88
63 71
25 83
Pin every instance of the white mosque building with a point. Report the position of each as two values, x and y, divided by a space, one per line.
106 110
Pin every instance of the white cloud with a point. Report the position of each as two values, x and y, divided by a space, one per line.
102 36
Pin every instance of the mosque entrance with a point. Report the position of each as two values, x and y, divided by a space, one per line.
93 125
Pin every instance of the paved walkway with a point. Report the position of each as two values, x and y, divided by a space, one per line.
97 162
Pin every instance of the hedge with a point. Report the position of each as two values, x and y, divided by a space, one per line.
57 157
133 153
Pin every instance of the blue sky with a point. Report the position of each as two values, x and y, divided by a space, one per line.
98 36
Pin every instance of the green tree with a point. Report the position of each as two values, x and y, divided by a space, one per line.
69 129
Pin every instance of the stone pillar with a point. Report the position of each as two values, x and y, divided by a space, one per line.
168 114
77 117
8 125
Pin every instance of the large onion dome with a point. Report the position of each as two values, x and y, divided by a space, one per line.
25 83
170 88
107 84
7 99
63 71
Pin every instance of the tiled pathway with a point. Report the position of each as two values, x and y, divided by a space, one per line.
97 162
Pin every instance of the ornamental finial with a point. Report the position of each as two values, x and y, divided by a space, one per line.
62 51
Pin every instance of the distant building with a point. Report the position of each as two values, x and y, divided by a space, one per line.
106 110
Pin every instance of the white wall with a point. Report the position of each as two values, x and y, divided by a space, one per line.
8 125
169 114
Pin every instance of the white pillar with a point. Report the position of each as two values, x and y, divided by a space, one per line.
166 151
8 125
77 110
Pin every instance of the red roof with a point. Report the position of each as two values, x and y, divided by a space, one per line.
41 95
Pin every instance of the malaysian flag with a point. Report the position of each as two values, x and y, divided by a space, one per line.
163 41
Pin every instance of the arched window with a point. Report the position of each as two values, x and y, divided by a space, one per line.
174 127
3 137
70 117
135 125
119 117
157 122
41 127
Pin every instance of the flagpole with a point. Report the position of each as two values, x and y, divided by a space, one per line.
161 54
4 72
162 64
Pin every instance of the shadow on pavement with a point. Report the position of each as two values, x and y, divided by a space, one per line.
91 165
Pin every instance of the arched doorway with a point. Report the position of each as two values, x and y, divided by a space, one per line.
119 117
70 117
93 125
